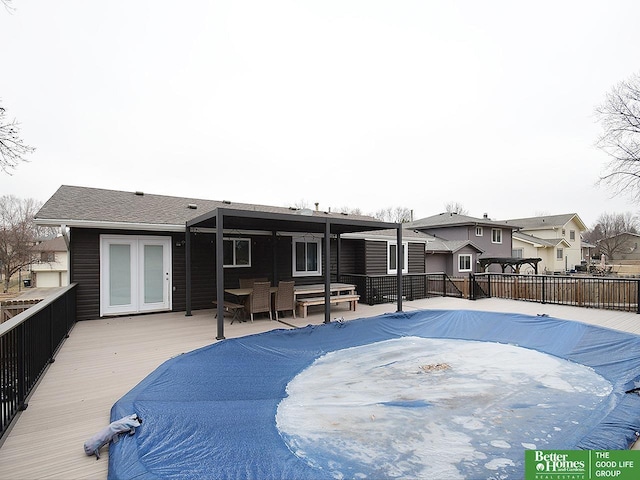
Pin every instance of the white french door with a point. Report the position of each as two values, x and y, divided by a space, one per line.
135 274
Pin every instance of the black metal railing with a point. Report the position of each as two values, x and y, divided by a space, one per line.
28 343
609 293
376 289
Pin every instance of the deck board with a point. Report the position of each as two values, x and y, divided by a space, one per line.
103 359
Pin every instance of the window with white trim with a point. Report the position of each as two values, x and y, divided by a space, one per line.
392 257
572 235
479 231
517 252
307 257
496 235
559 254
464 262
236 252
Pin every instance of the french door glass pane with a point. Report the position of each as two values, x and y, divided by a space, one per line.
153 274
119 274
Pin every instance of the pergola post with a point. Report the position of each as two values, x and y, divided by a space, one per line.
400 260
327 272
187 245
220 273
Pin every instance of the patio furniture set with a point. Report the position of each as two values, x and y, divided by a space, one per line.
256 295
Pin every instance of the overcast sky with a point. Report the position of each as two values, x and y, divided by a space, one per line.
361 104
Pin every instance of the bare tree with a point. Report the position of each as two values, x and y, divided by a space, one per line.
18 234
619 116
394 214
455 207
13 150
608 229
7 5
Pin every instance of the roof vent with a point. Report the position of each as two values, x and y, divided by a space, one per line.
226 202
192 206
139 193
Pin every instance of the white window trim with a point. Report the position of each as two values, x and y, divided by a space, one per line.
460 255
479 231
306 273
493 237
405 254
234 240
561 251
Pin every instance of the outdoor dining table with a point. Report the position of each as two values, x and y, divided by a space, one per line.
242 293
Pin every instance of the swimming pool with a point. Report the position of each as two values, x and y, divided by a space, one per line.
427 394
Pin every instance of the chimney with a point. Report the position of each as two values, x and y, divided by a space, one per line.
486 215
317 206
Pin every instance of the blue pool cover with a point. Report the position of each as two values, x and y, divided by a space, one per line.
386 397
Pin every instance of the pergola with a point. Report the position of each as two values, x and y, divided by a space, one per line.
513 262
302 221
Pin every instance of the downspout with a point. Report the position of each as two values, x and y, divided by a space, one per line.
67 241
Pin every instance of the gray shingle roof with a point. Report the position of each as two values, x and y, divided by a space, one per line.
82 206
545 221
455 219
547 242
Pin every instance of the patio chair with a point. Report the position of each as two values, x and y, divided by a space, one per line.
248 282
285 299
260 299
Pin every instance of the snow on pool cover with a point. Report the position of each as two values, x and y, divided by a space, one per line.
428 394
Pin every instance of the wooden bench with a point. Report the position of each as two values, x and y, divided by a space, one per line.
303 303
234 308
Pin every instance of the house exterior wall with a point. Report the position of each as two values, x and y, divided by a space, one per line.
572 255
484 241
85 265
455 259
531 251
439 263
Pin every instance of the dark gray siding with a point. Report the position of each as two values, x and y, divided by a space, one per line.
416 258
376 253
85 271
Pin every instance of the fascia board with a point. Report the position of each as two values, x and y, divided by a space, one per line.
155 227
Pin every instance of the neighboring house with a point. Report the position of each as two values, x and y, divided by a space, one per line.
624 246
560 234
528 246
465 240
51 267
134 252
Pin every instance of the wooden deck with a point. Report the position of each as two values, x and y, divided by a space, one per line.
104 359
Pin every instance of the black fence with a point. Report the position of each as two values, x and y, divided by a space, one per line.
375 289
607 293
28 343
